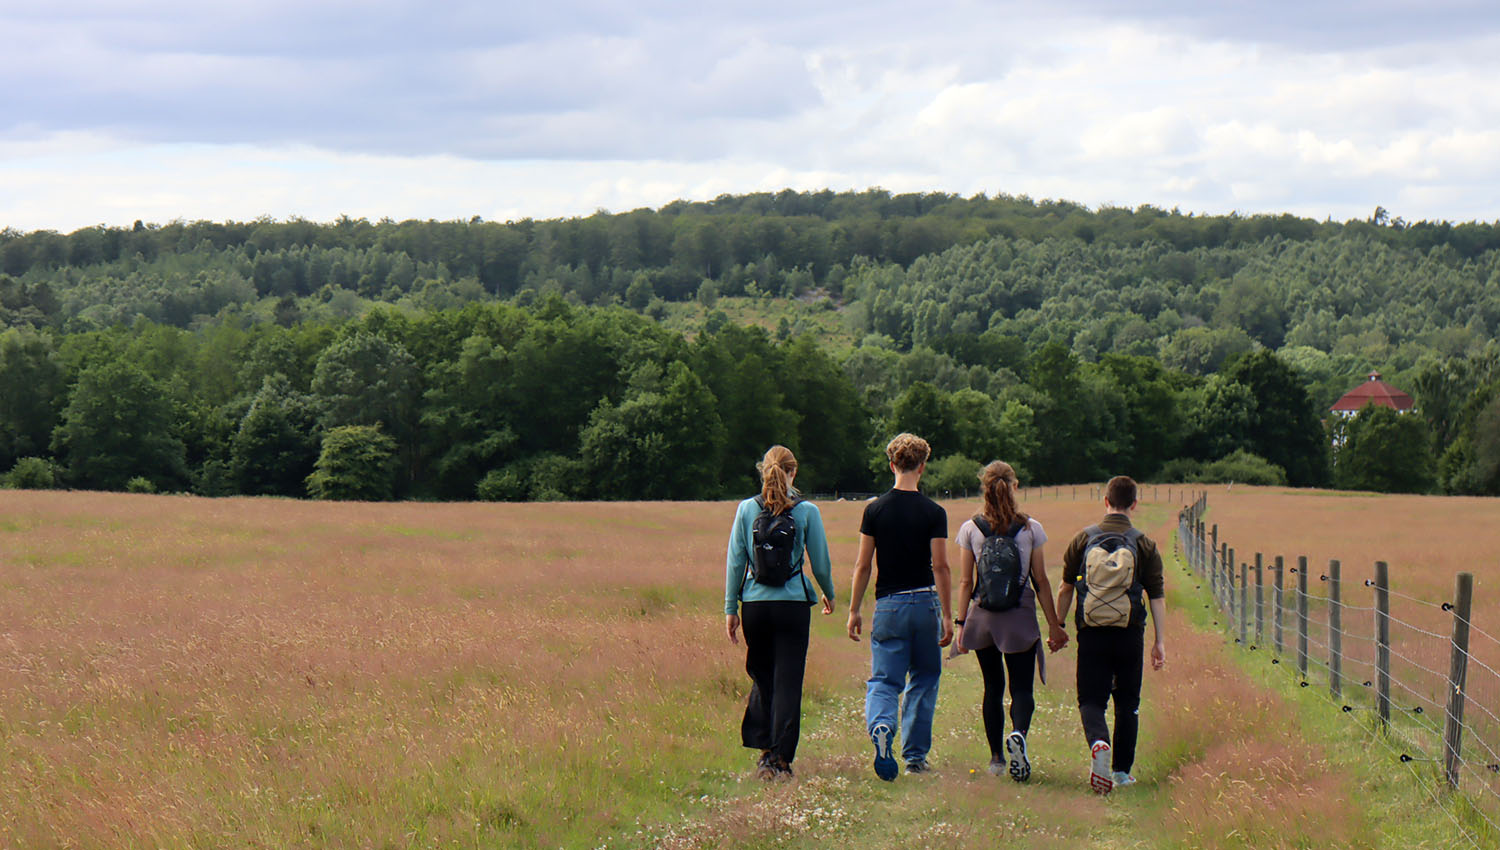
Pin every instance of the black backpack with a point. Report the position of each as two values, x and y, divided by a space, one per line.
1000 577
772 539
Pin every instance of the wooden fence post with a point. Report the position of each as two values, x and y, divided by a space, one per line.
1229 584
1335 631
1383 642
1276 607
1260 599
1203 557
1458 674
1302 616
1213 571
1244 603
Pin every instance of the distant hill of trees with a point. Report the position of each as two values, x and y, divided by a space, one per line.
520 359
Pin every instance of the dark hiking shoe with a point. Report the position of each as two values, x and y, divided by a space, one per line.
765 769
1101 778
918 766
885 763
783 768
1015 752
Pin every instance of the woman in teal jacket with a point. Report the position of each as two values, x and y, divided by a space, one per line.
776 617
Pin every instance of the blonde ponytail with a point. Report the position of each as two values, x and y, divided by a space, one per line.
777 469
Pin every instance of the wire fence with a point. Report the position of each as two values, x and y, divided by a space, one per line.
1416 675
1167 493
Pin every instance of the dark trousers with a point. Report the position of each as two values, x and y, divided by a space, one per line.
1021 666
1109 666
775 657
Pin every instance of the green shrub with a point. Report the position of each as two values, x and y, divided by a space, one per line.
1180 471
1239 466
32 473
502 485
358 463
1243 467
954 474
140 484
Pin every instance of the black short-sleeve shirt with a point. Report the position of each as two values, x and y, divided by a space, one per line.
904 523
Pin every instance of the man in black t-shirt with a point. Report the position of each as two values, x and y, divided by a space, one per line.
905 534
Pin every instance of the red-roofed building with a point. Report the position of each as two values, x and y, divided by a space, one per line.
1373 391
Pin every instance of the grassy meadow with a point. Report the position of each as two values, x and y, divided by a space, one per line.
183 672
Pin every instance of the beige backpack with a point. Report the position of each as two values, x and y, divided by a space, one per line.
1108 586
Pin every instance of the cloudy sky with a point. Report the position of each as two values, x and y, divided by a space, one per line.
117 110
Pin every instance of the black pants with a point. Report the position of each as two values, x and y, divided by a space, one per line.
775 657
1109 666
1021 666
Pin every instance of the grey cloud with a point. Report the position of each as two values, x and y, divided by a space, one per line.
1311 25
393 78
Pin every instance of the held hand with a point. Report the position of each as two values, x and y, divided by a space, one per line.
1158 656
732 625
1057 638
856 624
827 606
947 637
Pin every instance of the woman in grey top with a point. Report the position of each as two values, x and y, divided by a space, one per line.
1007 642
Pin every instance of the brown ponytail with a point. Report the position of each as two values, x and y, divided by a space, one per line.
776 471
1000 509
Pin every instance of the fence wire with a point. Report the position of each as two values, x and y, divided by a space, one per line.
1417 691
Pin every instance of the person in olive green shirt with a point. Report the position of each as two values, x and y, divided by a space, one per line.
1110 658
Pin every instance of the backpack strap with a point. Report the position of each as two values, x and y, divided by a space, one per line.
983 525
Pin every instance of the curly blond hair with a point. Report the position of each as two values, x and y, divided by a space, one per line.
907 451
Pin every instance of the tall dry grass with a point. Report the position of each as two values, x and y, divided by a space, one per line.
179 672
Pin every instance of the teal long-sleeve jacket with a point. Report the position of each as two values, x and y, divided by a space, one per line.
739 587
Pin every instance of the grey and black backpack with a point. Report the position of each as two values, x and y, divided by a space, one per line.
1000 577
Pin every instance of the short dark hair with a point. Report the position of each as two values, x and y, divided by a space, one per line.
1120 492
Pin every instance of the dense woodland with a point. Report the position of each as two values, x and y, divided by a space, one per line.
594 357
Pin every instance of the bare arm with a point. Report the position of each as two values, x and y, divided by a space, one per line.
1057 636
860 581
942 576
965 590
1065 598
1159 648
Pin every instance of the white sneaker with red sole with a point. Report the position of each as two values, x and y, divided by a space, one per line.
1101 778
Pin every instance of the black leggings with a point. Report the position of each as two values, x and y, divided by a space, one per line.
994 664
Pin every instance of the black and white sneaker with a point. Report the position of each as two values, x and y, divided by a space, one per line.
885 763
918 766
1015 754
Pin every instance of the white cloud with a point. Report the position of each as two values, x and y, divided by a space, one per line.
392 108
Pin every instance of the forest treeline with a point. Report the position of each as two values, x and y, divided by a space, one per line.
522 360
557 401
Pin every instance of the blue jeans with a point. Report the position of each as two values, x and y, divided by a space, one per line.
905 663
